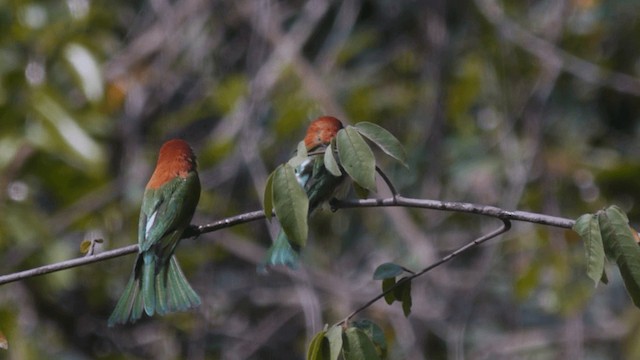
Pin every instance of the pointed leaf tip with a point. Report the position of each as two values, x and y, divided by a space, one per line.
384 140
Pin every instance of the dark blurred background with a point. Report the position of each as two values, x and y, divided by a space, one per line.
529 105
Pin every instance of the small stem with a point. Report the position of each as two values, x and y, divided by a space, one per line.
506 225
384 177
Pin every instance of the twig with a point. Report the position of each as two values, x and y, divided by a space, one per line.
454 206
194 231
387 181
67 264
506 225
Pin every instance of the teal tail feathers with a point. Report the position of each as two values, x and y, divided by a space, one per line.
130 305
154 290
179 294
280 253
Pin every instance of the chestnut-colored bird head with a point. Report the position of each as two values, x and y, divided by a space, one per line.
176 159
321 131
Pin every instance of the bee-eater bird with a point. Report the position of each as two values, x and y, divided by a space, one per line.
319 184
157 285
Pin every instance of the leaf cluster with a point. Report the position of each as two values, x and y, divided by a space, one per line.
607 234
347 154
363 339
393 290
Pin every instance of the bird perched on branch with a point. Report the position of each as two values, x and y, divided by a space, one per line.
320 185
157 285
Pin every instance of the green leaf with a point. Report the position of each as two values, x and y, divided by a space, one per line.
291 204
330 162
267 202
300 157
387 284
387 270
619 243
374 332
406 298
334 336
319 347
356 158
402 292
384 139
358 346
588 228
361 192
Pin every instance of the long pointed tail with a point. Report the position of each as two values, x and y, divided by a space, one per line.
150 291
280 253
179 295
130 305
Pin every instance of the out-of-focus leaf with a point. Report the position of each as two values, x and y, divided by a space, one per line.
384 139
387 284
620 245
291 204
358 346
88 246
330 162
375 333
63 136
87 69
267 202
589 230
334 336
319 347
356 158
387 270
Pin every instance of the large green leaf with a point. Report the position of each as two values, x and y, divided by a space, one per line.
291 204
334 335
387 284
619 243
384 139
319 347
375 333
358 346
356 158
588 228
330 162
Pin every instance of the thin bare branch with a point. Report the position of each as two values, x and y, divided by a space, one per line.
196 230
506 225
